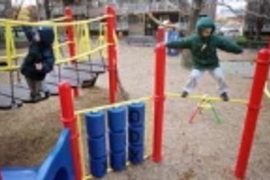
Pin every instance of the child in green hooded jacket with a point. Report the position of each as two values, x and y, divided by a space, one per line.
203 46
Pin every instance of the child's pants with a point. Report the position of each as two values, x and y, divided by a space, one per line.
216 73
36 86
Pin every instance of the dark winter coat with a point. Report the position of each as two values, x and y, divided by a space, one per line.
38 52
205 58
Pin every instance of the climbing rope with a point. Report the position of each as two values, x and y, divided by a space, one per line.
120 88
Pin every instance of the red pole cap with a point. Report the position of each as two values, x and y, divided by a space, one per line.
68 11
160 34
263 56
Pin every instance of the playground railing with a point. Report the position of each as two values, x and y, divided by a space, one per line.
77 42
105 131
81 40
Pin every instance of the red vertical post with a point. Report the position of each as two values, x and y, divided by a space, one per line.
160 34
70 38
70 33
159 98
69 121
260 77
115 50
111 53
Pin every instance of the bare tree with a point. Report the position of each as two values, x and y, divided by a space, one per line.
257 23
196 8
7 10
257 15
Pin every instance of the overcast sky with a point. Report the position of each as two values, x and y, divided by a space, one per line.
236 4
25 2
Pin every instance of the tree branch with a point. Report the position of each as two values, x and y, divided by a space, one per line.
245 11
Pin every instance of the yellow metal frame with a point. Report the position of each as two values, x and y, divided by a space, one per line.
148 101
206 98
82 41
52 23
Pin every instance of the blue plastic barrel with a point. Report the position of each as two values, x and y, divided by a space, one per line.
136 114
118 161
117 119
97 147
136 135
95 124
135 154
117 141
98 167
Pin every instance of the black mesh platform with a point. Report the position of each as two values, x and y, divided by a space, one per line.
51 87
76 78
21 94
95 66
6 103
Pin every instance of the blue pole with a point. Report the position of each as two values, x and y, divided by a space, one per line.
136 116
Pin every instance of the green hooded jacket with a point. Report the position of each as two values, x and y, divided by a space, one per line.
204 49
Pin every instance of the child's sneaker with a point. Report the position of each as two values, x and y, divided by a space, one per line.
35 97
224 96
184 94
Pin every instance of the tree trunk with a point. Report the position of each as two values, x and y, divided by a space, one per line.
7 11
259 26
196 7
47 9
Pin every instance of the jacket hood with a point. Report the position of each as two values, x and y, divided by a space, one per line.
46 35
205 22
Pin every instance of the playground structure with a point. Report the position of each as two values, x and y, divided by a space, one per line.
117 122
85 62
67 159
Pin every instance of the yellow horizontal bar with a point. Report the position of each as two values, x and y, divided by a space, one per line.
3 57
17 22
14 56
175 95
50 23
89 177
112 105
59 45
24 54
12 68
77 57
73 23
59 19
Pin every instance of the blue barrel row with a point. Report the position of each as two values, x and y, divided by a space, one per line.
118 138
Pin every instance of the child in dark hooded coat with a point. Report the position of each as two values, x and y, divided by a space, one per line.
203 46
39 60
